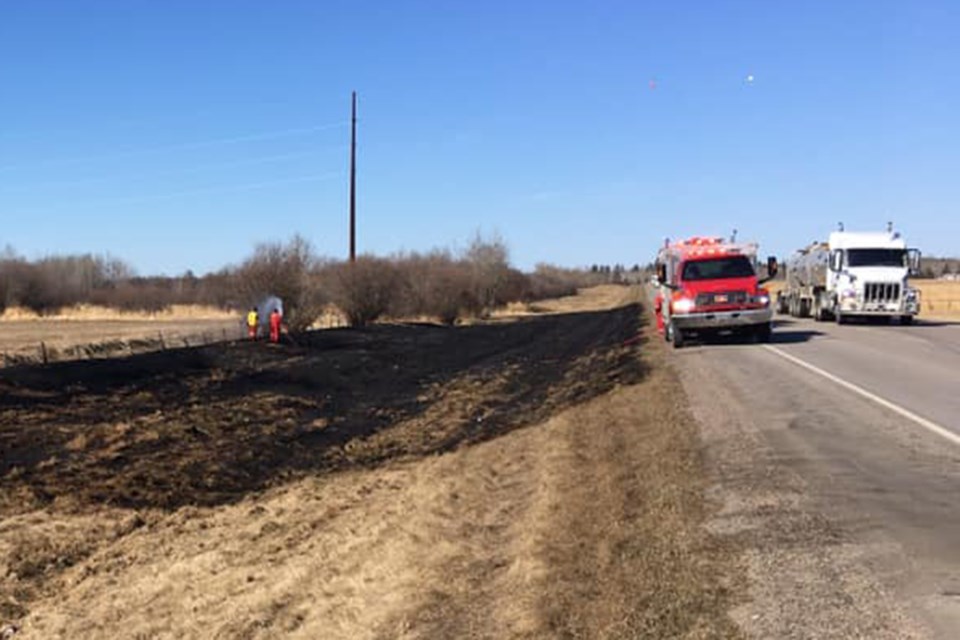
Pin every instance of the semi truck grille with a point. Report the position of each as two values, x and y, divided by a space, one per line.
721 297
881 292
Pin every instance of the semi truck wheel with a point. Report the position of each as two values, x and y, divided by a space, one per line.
819 312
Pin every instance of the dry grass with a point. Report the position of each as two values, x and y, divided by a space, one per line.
83 313
605 296
939 299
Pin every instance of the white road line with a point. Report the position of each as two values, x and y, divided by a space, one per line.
933 427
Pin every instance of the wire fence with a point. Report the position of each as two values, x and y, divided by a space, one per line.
46 352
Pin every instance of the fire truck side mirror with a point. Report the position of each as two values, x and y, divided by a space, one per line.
662 273
773 268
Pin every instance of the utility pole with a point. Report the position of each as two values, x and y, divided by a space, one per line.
353 181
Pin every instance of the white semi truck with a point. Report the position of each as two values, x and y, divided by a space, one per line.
853 274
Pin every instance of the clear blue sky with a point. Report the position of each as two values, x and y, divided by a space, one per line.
177 134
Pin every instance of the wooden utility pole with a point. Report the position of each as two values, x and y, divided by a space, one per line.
353 180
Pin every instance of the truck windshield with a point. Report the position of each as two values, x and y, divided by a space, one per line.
876 258
717 268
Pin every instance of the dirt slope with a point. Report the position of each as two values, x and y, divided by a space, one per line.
525 479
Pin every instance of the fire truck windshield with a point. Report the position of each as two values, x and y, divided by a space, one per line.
718 268
876 258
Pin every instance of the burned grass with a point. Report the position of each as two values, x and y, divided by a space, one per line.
208 425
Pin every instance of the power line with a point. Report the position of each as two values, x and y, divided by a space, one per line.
129 123
181 171
191 192
254 137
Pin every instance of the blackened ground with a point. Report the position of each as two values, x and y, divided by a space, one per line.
208 425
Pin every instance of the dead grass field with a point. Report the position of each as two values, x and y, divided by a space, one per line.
89 331
531 478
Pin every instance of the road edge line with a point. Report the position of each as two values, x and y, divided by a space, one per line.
929 425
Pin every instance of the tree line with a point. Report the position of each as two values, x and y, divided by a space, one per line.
439 284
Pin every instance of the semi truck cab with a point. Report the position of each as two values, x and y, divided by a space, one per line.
869 275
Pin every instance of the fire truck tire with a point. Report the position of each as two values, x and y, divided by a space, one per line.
675 336
906 319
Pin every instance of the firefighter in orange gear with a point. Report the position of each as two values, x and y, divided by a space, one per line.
253 321
275 320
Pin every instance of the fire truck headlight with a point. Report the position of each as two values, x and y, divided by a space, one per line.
763 299
683 305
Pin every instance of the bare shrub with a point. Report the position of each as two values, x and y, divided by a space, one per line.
489 261
548 281
364 290
435 285
288 271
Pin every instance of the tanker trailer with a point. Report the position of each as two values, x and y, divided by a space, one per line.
806 290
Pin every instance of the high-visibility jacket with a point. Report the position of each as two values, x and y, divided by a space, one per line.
252 319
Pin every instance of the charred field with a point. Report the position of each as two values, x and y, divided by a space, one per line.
205 426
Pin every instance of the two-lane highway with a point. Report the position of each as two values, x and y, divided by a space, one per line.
857 424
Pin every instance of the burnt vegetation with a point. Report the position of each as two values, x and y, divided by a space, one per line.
208 425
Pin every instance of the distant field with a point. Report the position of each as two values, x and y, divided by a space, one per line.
940 299
91 332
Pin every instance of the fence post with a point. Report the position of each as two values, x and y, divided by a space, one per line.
163 345
43 351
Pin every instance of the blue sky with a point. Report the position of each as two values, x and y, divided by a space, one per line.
178 134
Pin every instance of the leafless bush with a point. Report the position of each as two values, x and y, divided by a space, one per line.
49 284
489 262
435 285
364 290
549 281
288 271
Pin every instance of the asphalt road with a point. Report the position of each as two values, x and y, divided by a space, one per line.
874 468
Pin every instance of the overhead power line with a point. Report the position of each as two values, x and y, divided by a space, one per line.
253 137
175 172
204 191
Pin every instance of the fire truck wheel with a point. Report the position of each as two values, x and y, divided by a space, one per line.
906 319
675 336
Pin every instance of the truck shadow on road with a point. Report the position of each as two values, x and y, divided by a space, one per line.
794 336
779 336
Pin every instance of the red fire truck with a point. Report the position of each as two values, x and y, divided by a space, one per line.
710 286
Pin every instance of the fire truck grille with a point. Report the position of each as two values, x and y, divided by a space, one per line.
881 292
721 298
